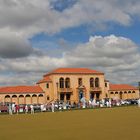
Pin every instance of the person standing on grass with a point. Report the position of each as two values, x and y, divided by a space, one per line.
10 110
32 109
52 107
109 102
13 108
139 102
26 109
17 109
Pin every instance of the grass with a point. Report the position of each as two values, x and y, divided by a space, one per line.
90 124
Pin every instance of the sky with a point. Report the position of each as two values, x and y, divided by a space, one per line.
38 36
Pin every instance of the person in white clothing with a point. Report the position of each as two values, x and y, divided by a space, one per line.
26 109
139 102
32 109
109 102
52 107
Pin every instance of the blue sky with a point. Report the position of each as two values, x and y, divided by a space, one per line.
38 36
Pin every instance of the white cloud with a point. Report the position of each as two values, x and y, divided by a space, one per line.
21 20
118 57
111 54
28 18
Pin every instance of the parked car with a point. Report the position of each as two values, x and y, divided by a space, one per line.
3 108
134 101
21 107
37 107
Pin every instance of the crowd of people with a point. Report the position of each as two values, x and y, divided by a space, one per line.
12 108
61 105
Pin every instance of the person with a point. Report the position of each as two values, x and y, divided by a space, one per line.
17 109
103 102
10 110
83 100
52 107
139 102
43 108
93 103
64 105
32 109
26 109
109 102
13 108
90 103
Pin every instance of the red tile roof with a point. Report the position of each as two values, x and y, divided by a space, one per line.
74 71
45 79
122 87
21 89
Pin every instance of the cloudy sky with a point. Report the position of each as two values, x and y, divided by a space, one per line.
37 36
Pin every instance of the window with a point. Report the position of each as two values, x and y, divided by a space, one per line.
91 82
112 93
67 83
97 82
47 85
40 95
80 81
48 98
105 84
67 96
61 82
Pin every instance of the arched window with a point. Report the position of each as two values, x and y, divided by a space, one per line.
14 96
61 82
125 92
133 92
129 91
67 83
97 82
91 82
112 93
27 95
116 92
21 96
34 95
40 95
7 96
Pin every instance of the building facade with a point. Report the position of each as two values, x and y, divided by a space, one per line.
22 95
74 83
68 84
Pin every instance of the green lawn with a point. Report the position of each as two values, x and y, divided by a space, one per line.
122 123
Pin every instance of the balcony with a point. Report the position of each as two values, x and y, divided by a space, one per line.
95 89
65 90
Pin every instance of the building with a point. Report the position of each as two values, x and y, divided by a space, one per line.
22 94
68 84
